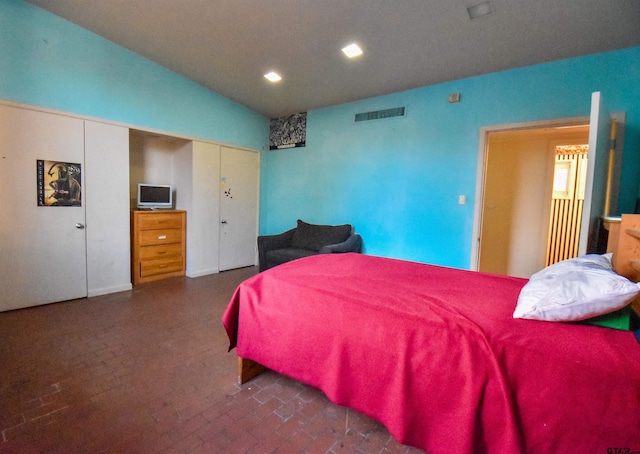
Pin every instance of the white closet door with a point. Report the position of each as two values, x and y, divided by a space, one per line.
42 247
239 189
107 208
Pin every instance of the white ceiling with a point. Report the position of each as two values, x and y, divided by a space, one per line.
228 45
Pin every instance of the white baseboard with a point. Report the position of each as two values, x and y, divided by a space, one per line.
199 273
107 290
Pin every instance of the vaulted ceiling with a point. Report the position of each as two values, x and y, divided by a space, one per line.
228 45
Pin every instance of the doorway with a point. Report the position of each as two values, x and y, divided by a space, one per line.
604 165
516 204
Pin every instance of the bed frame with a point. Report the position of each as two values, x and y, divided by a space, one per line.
248 370
623 241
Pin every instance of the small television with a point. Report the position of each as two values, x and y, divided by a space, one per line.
155 196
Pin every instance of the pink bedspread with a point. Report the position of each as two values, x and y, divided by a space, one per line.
435 355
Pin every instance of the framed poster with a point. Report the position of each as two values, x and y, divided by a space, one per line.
59 183
288 132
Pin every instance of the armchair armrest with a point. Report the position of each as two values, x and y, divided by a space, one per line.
352 244
270 242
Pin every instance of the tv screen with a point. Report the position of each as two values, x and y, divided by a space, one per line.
153 196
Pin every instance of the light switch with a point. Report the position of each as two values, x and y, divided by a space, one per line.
462 200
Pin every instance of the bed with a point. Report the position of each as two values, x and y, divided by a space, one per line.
436 355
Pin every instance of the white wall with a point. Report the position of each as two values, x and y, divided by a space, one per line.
151 160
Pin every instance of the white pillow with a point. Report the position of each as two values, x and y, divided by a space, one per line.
575 289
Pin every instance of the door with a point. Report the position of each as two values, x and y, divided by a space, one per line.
596 181
239 189
42 247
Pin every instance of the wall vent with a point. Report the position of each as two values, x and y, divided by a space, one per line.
379 114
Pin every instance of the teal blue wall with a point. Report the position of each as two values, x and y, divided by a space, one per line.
49 62
398 180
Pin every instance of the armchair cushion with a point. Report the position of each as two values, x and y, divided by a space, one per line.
280 256
314 237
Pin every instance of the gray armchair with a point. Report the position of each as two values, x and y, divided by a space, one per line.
305 240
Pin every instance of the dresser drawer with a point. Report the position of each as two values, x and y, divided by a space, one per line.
160 236
161 251
160 221
155 267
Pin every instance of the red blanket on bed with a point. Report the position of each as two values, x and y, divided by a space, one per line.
435 355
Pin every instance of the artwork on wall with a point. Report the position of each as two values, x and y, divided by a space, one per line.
288 132
59 183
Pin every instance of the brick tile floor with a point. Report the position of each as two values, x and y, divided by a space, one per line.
147 371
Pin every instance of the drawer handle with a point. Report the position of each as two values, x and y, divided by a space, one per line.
162 237
162 252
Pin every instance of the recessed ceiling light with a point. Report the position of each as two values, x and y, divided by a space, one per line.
479 10
273 77
352 50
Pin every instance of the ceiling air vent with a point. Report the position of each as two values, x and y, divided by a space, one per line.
379 114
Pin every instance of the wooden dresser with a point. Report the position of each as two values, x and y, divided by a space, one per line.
158 245
624 242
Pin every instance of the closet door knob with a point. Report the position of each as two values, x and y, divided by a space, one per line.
79 226
224 221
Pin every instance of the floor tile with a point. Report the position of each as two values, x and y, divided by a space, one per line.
147 371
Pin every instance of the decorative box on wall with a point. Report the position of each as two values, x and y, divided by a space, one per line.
158 245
